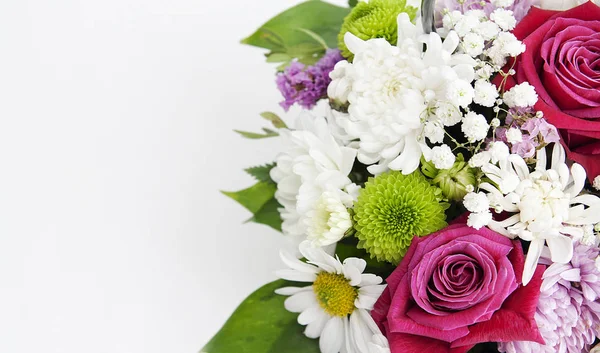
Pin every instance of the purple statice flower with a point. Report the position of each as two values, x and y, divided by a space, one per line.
568 311
306 85
519 7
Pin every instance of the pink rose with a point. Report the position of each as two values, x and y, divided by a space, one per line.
562 62
456 288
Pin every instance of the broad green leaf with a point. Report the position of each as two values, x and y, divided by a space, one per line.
281 32
254 197
315 36
274 119
261 172
352 3
254 135
262 325
269 215
260 200
278 57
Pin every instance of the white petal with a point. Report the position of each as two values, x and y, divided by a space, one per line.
292 290
295 276
558 156
360 332
352 274
368 279
579 176
354 44
314 329
309 315
561 248
360 264
299 302
332 336
533 255
295 264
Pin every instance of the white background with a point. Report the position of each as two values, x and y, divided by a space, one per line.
115 137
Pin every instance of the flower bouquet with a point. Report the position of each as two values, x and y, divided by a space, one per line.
440 185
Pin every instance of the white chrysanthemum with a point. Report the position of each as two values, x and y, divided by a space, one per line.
340 86
475 127
546 204
442 157
504 18
329 219
335 308
390 89
485 93
522 95
312 162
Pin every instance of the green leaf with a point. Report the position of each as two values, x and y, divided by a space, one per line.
281 32
260 200
253 135
254 197
315 36
352 3
274 119
269 215
261 172
262 325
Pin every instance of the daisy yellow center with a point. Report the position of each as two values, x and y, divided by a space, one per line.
335 294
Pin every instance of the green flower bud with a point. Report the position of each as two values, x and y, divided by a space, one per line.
453 182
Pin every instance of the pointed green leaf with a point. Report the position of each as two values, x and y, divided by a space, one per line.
269 215
254 135
261 172
274 119
316 16
352 3
262 325
254 197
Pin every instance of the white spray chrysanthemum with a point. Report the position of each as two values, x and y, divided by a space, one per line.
547 206
392 87
329 220
335 307
312 163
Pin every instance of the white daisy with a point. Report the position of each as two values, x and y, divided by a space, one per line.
335 308
547 204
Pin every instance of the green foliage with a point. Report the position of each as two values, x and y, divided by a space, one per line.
261 172
375 19
260 200
304 32
262 325
257 135
274 119
392 209
352 3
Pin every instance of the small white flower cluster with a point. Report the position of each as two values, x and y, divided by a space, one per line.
546 206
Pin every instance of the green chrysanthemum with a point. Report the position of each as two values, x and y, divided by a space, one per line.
375 19
392 209
454 181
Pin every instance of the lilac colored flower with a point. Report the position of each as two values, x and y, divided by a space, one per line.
306 85
519 7
525 148
568 311
541 126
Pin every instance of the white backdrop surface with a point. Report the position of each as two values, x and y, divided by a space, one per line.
115 138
